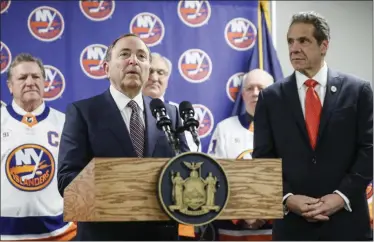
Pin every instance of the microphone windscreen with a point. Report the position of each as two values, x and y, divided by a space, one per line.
185 106
156 104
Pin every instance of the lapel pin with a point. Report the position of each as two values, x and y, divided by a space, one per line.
333 89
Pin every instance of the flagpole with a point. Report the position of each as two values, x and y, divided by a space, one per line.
259 35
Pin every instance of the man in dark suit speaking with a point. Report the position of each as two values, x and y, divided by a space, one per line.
117 123
320 123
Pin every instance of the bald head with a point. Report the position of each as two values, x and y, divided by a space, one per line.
253 82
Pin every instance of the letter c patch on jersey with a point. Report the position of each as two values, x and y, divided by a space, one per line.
30 167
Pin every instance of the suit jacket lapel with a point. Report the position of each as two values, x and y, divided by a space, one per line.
116 124
329 103
152 133
292 95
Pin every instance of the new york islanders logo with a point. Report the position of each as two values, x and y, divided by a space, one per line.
91 61
240 34
6 57
205 118
4 5
148 27
247 154
233 85
194 13
30 167
97 10
54 84
46 23
195 65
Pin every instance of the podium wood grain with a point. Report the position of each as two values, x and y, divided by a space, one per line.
125 189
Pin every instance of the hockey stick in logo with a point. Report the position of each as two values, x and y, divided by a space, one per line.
30 176
197 12
96 10
244 36
97 67
49 87
49 27
147 35
198 68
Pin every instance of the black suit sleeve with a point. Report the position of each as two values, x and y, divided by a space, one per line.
182 138
361 172
263 138
74 152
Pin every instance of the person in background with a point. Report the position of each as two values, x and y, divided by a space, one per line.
157 85
31 206
320 123
233 139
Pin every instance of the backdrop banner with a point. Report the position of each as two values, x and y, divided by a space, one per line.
208 43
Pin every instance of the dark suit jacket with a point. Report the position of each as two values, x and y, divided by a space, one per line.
342 160
95 128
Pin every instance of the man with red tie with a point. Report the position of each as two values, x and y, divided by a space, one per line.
320 123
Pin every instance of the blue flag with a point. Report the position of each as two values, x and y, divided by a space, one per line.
264 56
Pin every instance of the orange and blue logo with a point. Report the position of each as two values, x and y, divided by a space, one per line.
30 167
54 83
97 10
245 155
194 13
46 24
148 27
233 85
205 118
4 5
6 57
195 65
240 34
92 59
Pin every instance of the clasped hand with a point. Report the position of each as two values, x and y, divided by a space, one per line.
314 209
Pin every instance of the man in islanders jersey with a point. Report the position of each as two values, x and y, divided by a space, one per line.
233 139
157 84
31 207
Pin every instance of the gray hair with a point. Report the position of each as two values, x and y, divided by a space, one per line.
166 60
25 57
321 27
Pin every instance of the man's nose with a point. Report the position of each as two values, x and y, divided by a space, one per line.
256 91
29 81
132 60
294 47
153 77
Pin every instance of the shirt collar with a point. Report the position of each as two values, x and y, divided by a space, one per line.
320 77
122 100
39 110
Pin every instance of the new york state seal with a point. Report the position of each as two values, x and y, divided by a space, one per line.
193 188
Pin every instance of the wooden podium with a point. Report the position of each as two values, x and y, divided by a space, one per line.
125 189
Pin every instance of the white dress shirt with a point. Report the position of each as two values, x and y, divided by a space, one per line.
122 100
320 88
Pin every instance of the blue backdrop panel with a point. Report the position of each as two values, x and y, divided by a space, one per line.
206 42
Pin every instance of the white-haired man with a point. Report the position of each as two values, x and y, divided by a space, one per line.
157 84
233 139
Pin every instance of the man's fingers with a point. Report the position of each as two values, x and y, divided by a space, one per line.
313 213
311 200
310 207
321 217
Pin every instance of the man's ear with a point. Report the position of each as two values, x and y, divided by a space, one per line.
106 68
324 47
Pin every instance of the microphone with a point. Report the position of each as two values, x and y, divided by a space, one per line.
187 113
163 122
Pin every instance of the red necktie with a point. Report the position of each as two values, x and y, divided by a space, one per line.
313 109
